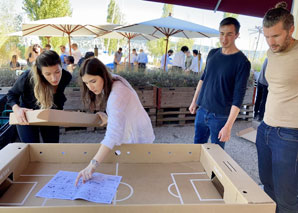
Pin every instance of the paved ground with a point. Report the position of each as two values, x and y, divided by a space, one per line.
242 151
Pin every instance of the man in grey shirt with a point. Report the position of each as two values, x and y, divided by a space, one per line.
117 58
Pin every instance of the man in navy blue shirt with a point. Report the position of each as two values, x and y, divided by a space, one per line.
221 90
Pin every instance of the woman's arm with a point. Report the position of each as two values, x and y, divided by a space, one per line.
86 173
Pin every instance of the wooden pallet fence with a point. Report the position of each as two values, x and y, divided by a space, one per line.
175 97
147 95
246 112
174 116
152 114
74 101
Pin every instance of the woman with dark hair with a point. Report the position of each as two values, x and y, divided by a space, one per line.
39 88
128 122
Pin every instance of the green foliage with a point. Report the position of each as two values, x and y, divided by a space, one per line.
184 42
8 45
114 16
230 15
44 9
161 79
157 48
167 9
7 77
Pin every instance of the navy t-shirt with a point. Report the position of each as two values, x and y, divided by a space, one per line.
224 81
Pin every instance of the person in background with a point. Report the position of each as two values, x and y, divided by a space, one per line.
262 92
47 47
142 59
194 67
117 58
179 60
277 135
133 58
62 56
162 61
69 60
76 53
14 64
42 87
222 87
128 122
188 60
87 55
33 52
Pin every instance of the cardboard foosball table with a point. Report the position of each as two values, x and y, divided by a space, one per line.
155 178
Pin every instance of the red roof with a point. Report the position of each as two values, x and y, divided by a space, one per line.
244 7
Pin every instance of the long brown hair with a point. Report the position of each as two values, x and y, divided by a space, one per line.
43 90
93 66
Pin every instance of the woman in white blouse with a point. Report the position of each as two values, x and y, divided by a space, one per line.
128 122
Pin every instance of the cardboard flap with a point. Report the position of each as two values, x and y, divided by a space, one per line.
249 134
238 186
13 157
51 117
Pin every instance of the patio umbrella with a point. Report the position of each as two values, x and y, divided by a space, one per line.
129 36
169 26
64 26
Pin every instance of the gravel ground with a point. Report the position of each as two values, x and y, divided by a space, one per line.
242 151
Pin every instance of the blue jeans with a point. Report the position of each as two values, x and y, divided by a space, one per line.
206 124
30 134
278 165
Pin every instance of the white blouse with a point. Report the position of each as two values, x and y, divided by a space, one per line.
128 122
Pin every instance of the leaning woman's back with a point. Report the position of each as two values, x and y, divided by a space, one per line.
128 122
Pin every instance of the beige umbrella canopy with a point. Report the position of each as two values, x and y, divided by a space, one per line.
129 36
169 26
64 26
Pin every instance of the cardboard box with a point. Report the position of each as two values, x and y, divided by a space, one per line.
249 134
51 117
155 178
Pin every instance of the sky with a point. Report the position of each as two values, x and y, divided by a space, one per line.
138 10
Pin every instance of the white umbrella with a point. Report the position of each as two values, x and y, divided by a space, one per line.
64 26
129 36
169 26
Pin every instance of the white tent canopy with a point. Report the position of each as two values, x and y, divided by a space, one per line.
65 26
169 26
129 36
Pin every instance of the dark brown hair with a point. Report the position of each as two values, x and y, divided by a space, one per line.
93 66
43 90
277 14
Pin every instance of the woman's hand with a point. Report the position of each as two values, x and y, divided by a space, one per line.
103 117
86 174
20 114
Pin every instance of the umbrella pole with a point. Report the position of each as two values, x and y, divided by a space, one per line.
69 44
129 51
164 66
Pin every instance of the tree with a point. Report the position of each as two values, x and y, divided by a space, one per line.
44 9
158 47
9 45
226 15
114 16
184 42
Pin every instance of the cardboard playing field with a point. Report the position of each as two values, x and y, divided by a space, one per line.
51 117
155 178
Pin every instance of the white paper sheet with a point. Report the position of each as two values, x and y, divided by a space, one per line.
100 189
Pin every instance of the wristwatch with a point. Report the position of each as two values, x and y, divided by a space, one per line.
94 163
